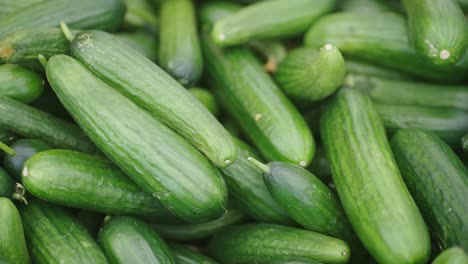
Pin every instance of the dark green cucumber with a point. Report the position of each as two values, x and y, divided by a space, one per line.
129 240
9 6
438 29
262 243
194 232
365 6
20 83
89 182
368 181
140 15
438 181
448 123
54 236
272 51
454 255
150 87
361 37
183 255
155 157
84 14
464 142
145 43
12 242
206 98
24 149
6 184
41 125
361 67
311 75
268 20
179 45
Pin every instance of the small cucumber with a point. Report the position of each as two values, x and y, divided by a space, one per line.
267 19
368 181
361 67
12 242
129 240
206 98
438 181
145 43
272 51
20 83
54 236
9 6
24 149
311 75
438 29
140 15
263 243
183 255
6 184
179 46
454 255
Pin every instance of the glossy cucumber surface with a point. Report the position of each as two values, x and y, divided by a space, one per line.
20 83
454 255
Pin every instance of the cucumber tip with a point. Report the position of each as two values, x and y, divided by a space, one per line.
328 46
227 161
302 163
25 172
444 54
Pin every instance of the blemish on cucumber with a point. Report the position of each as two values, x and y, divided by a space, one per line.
444 54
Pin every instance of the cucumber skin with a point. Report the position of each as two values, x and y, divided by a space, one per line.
369 185
154 90
438 181
89 182
129 240
209 12
206 98
54 236
263 243
9 7
360 67
454 255
184 255
155 157
179 52
145 43
6 184
13 247
20 83
37 124
24 149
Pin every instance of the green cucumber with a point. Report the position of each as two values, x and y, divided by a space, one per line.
89 182
454 255
272 51
129 240
268 20
54 236
361 67
140 15
438 181
155 157
6 184
438 29
183 255
262 243
84 14
179 46
311 75
24 149
448 123
41 125
368 181
464 142
206 98
145 43
12 242
154 90
365 6
20 83
9 6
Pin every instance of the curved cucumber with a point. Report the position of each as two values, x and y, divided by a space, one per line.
438 181
128 240
454 255
6 184
155 157
206 98
368 181
24 149
145 43
184 255
20 84
147 85
12 242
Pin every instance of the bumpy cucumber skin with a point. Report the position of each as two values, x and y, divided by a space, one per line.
145 43
179 45
368 181
24 149
54 236
206 98
155 157
454 255
262 243
129 240
6 184
268 19
151 88
20 83
13 247
438 29
184 255
438 181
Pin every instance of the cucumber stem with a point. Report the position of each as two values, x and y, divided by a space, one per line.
66 31
19 193
265 168
42 60
7 149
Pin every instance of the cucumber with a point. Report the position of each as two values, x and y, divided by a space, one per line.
183 255
12 242
438 29
368 181
195 232
361 37
155 157
20 83
311 75
365 6
9 6
41 125
84 14
24 149
206 98
140 15
179 52
454 255
145 43
262 243
268 20
128 240
272 51
147 85
361 67
410 93
464 142
89 182
448 123
438 181
53 235
6 184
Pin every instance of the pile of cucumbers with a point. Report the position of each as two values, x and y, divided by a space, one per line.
237 132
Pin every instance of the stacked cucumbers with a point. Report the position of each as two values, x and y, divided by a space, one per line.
237 132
